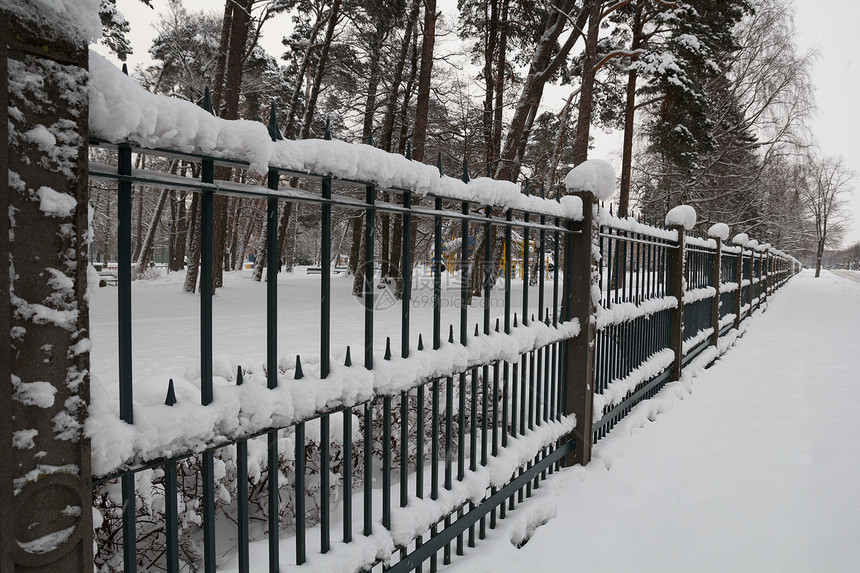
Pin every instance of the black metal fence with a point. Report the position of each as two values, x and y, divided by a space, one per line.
439 459
427 441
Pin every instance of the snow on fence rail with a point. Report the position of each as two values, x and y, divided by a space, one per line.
407 452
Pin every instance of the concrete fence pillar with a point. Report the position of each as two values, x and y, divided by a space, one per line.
740 276
715 279
677 260
579 277
45 481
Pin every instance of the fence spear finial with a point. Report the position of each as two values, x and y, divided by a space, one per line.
239 376
409 150
171 394
497 324
451 334
465 177
274 130
387 348
207 101
348 361
125 68
420 342
327 133
299 374
515 320
370 138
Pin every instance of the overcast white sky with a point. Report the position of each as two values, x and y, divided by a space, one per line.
829 29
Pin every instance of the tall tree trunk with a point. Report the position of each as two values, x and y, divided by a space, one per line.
239 28
375 57
385 221
629 118
307 121
355 244
223 48
391 106
300 77
146 248
310 108
422 106
586 94
546 60
397 241
491 32
499 88
193 268
193 249
178 252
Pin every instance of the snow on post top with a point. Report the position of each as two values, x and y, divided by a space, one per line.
682 215
752 244
76 20
764 247
719 231
595 176
741 239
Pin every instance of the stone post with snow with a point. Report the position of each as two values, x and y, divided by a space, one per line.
681 219
719 232
591 181
45 482
739 240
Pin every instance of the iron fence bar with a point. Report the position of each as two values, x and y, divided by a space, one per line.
171 518
464 340
473 440
509 391
485 405
325 360
273 502
406 305
449 429
206 279
386 462
242 506
369 228
437 277
301 532
126 396
404 449
347 474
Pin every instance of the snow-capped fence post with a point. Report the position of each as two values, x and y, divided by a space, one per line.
739 273
676 289
719 232
45 478
580 275
715 302
759 290
680 219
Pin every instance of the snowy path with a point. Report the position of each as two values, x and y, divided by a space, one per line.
754 466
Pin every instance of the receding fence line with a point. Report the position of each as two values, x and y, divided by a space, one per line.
665 299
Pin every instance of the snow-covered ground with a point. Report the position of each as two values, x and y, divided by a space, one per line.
753 465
